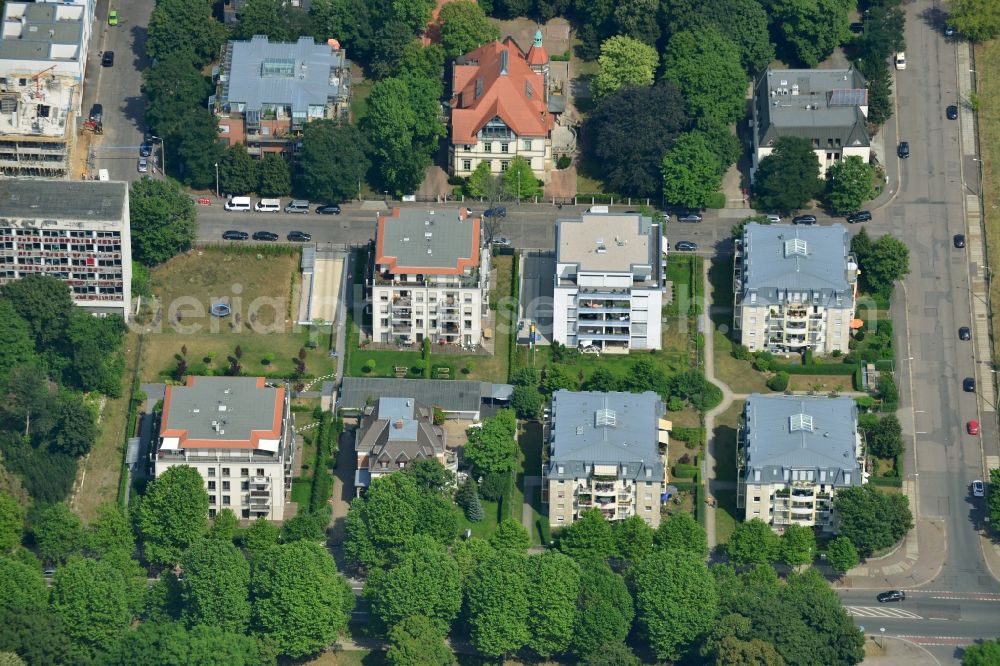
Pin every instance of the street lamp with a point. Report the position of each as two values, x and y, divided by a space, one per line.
163 157
217 179
881 632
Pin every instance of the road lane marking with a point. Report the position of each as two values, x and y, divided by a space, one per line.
880 611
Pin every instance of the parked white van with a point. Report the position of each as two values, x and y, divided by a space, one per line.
297 206
901 60
268 206
598 209
239 204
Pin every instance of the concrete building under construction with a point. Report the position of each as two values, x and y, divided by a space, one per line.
37 121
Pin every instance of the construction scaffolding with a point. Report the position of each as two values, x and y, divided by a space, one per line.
37 122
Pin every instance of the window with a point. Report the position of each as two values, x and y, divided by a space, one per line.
211 471
560 519
225 500
211 499
649 484
225 471
504 147
225 485
211 513
756 512
402 464
260 471
649 497
562 495
757 498
504 164
561 506
467 147
245 472
466 165
488 147
526 144
648 508
211 485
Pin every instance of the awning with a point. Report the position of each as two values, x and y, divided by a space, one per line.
856 324
666 425
664 437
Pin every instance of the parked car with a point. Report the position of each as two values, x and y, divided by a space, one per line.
265 236
978 489
501 241
969 385
972 427
959 241
900 60
235 235
860 216
108 59
142 165
499 211
965 333
685 246
145 150
774 218
689 217
299 237
951 112
949 30
857 27
904 149
113 17
329 209
891 595
96 112
804 219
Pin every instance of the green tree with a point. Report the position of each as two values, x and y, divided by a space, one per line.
422 61
197 148
983 653
978 20
430 475
301 604
482 182
224 525
613 654
402 127
170 644
38 636
11 659
184 27
808 31
171 87
993 496
787 179
58 533
681 531
519 181
887 261
744 22
468 553
261 17
705 66
464 27
637 19
259 537
414 13
45 303
172 515
510 534
162 218
588 536
633 539
849 185
76 431
604 609
497 603
492 448
602 380
215 589
334 161
526 401
275 176
425 581
753 542
872 519
553 589
110 537
237 171
734 652
798 545
623 62
842 555
880 105
92 599
675 598
557 378
22 587
19 345
691 173
416 641
11 521
885 440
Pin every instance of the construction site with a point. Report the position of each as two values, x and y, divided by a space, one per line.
38 123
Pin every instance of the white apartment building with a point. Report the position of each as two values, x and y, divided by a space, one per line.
606 451
430 279
501 108
829 107
609 282
238 432
793 454
77 231
50 37
795 288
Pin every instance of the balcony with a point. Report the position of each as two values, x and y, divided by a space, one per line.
260 482
604 488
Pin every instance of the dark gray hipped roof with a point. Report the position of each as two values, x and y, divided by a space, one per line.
780 258
814 436
398 430
451 395
62 199
614 428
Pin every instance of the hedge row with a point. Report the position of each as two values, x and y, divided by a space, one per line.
817 369
694 436
322 487
685 471
887 481
515 288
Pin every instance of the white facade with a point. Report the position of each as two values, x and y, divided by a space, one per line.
40 36
609 283
507 145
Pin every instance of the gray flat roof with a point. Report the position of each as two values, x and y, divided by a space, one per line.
221 408
44 25
62 199
427 239
816 104
300 74
779 439
606 242
614 428
451 395
796 258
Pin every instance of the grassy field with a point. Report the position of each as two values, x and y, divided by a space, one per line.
529 463
359 99
820 383
101 469
261 288
725 515
725 470
988 85
738 375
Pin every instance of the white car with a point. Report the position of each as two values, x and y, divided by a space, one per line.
773 218
142 165
901 60
978 490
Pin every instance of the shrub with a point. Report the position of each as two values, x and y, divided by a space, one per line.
456 180
675 404
493 486
563 162
685 471
807 357
742 353
778 382
836 353
369 365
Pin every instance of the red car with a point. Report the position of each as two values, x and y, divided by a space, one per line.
972 427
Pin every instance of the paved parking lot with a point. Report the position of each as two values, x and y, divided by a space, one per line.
537 283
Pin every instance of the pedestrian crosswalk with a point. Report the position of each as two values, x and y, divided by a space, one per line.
881 611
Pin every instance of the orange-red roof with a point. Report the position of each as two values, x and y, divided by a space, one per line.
503 94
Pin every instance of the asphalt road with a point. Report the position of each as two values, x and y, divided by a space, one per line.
118 88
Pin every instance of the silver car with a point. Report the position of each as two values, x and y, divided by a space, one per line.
142 165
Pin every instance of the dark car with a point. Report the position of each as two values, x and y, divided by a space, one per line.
145 150
265 236
499 211
949 30
804 219
501 241
689 217
685 246
857 28
329 209
891 595
108 59
860 216
299 236
964 333
904 149
97 112
959 240
969 385
235 235
951 112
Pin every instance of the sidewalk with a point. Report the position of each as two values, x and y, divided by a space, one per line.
888 651
915 562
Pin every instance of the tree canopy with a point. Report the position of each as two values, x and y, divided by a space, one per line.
604 609
416 641
464 27
682 532
882 262
979 20
162 219
58 533
753 542
983 653
587 536
334 161
798 545
553 591
872 519
92 598
215 589
706 68
850 183
184 27
787 179
842 555
171 644
809 31
623 62
492 448
691 172
22 587
497 603
11 523
173 514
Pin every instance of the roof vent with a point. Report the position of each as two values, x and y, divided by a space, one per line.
800 423
795 246
222 408
605 418
579 430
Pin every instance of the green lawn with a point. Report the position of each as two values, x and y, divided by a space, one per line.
485 528
725 442
725 515
529 462
359 100
301 491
